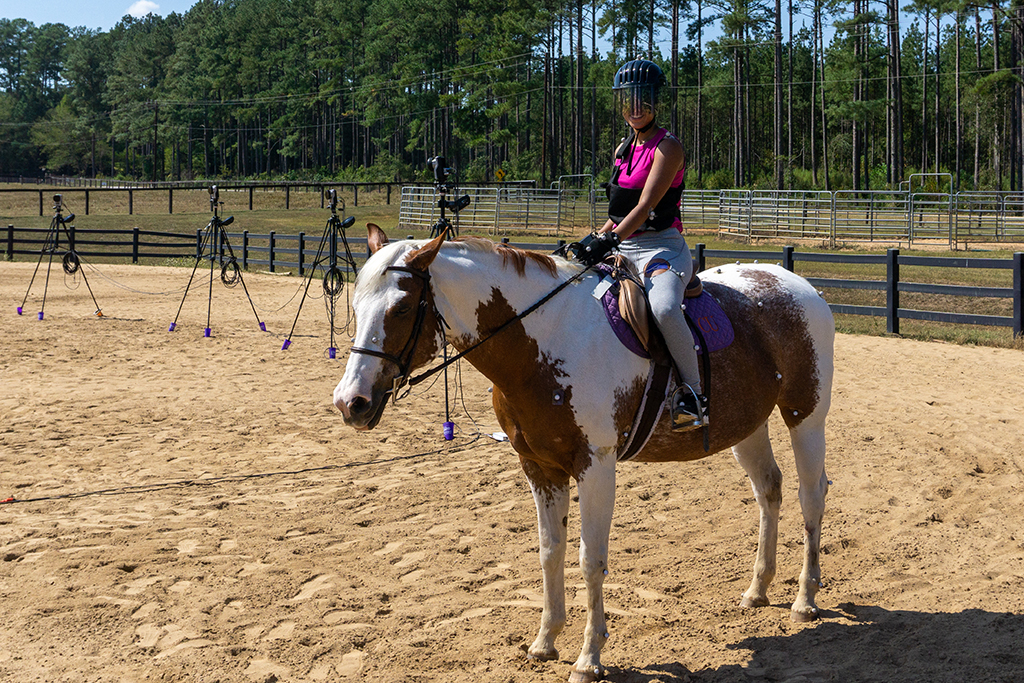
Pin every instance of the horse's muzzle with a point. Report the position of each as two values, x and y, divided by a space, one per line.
358 411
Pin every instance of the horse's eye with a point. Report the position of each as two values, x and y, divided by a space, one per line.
402 308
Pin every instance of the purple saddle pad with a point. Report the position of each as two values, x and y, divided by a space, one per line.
703 311
622 330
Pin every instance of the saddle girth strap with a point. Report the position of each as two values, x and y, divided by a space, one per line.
705 359
652 403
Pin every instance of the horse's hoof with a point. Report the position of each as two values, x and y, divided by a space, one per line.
586 676
542 655
804 615
754 602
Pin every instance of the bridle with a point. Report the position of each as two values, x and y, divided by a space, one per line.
404 359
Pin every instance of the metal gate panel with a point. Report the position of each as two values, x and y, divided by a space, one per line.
931 216
791 215
868 215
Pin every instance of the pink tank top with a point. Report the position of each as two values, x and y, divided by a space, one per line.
635 171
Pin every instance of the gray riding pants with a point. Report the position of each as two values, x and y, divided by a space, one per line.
663 259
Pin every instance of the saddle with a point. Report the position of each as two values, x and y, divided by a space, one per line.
625 301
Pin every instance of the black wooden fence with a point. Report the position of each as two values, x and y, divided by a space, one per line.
279 251
90 188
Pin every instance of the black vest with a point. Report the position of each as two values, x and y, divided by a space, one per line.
622 200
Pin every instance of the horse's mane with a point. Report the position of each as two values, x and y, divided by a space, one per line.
518 258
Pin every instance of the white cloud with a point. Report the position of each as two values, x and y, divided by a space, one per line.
141 8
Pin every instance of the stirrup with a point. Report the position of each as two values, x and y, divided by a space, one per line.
688 409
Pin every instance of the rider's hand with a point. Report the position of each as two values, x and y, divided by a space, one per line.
594 247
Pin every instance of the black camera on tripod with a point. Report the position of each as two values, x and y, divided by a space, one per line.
332 201
438 165
214 198
58 208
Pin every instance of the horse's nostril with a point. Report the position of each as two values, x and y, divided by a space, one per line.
358 405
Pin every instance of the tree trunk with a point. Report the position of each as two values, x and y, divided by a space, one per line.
777 129
858 86
977 109
789 102
938 68
956 182
674 119
699 131
996 148
824 116
815 24
924 93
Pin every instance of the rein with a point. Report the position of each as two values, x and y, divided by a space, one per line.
403 360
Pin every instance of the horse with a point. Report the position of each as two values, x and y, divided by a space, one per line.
565 391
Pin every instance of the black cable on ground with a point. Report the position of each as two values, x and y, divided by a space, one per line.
212 481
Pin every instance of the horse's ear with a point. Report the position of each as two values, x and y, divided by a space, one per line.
375 237
424 256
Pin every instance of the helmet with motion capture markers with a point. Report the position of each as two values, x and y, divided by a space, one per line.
636 86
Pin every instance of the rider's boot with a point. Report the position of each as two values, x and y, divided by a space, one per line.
688 409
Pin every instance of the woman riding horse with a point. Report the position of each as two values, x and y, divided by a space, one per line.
644 223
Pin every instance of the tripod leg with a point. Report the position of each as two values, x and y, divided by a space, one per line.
209 299
99 313
332 350
47 246
349 257
309 279
259 322
226 244
199 257
46 286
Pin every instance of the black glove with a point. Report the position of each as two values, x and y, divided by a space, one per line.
594 247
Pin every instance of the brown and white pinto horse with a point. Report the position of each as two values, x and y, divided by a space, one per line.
566 391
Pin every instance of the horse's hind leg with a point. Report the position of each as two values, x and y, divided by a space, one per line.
754 454
809 447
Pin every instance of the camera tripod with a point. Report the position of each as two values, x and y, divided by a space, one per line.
70 261
213 247
449 230
334 277
442 186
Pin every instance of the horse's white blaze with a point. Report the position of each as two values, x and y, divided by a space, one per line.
361 369
370 303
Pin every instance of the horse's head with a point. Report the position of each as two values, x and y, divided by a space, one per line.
397 326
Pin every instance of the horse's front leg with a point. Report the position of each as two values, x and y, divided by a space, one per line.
551 496
597 500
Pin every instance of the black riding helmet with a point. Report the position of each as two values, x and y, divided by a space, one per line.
636 86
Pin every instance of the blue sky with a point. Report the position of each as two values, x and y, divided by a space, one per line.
94 14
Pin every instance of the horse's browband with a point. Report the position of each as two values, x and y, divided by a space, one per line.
412 271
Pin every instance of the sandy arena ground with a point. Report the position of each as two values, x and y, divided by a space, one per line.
192 509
